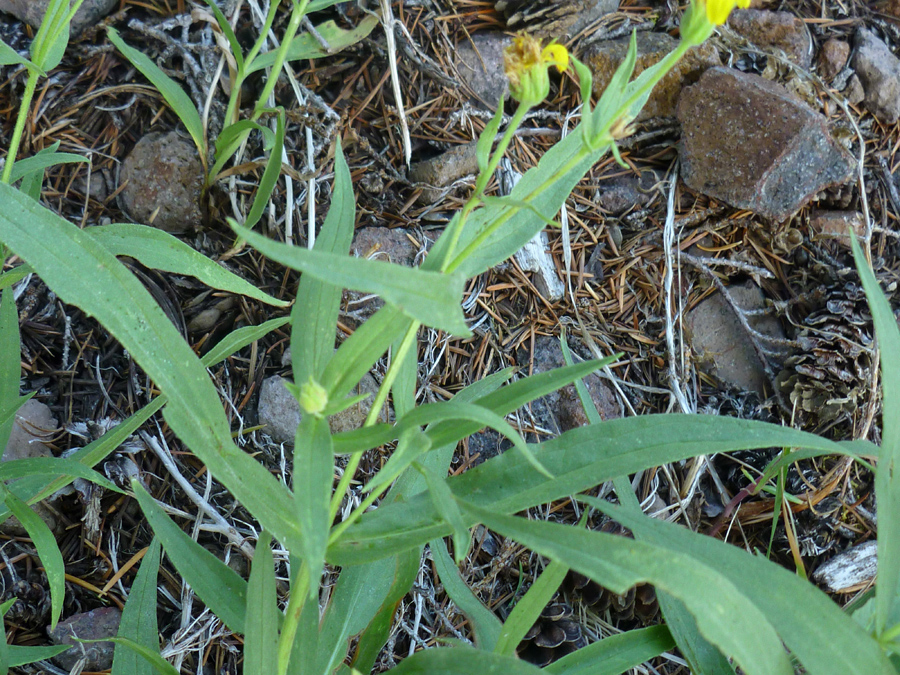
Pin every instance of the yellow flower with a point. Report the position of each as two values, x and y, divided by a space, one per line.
526 66
717 11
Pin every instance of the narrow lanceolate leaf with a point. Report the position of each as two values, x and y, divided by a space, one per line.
429 297
138 622
484 622
90 277
263 615
53 466
10 366
306 46
701 655
615 654
315 312
812 626
313 480
4 647
240 338
528 610
270 174
219 586
887 477
170 90
10 57
42 161
446 505
47 550
725 615
149 656
463 661
579 459
161 251
21 656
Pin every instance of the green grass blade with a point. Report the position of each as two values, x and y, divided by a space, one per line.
306 46
484 622
138 622
701 655
615 654
887 477
462 661
47 550
170 90
313 480
4 647
50 42
21 656
10 366
270 174
150 656
528 610
812 626
726 616
53 466
14 276
228 32
161 251
240 338
10 57
579 459
446 506
62 254
315 312
263 615
219 586
429 297
42 161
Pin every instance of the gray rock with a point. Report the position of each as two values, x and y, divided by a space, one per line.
854 568
833 57
720 343
93 625
163 183
752 144
32 12
479 66
879 72
34 424
622 193
441 171
604 58
280 412
854 92
775 30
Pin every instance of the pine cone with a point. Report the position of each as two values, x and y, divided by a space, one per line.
553 636
638 603
829 378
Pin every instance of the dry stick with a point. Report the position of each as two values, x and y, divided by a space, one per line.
227 529
388 21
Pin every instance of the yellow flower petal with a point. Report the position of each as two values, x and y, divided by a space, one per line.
556 55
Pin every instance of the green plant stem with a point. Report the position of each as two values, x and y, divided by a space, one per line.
483 178
344 484
296 17
24 108
299 593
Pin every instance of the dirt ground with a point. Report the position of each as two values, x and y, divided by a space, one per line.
95 102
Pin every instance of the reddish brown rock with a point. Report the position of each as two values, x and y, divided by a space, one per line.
750 143
832 58
94 625
605 57
163 183
836 225
774 30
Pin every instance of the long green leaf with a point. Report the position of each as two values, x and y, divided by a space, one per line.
228 31
463 661
53 466
580 459
270 174
313 479
812 626
528 610
50 42
138 622
161 251
306 46
445 504
14 276
887 477
10 57
21 656
219 586
239 339
47 550
263 615
701 654
10 366
615 654
315 313
430 297
726 616
170 90
484 622
150 656
43 161
4 647
91 278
